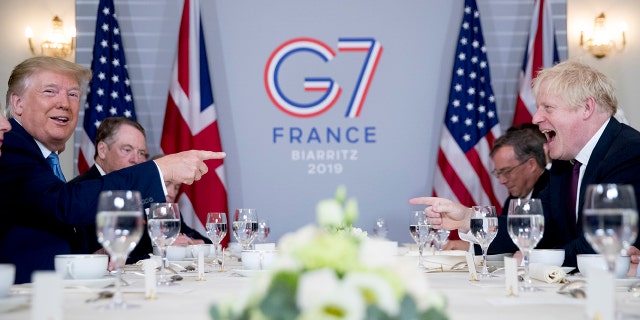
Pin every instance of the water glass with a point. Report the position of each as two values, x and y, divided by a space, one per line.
163 225
119 227
484 227
525 222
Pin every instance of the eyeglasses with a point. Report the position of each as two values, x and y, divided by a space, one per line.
506 172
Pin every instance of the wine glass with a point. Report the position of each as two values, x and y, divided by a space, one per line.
440 237
119 227
217 230
263 231
380 228
163 224
245 226
525 222
419 231
610 220
484 227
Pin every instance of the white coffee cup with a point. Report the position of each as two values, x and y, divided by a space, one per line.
176 253
551 257
7 277
81 266
587 262
258 259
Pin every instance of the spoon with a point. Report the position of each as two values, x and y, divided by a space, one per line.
176 277
574 289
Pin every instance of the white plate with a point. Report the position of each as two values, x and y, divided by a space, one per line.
13 302
567 269
248 272
89 283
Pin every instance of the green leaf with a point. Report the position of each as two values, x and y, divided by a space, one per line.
279 302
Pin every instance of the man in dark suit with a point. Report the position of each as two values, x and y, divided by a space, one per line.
39 210
575 108
121 143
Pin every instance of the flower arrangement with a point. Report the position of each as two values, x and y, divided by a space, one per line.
334 271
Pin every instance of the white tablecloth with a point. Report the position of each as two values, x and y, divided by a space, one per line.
191 299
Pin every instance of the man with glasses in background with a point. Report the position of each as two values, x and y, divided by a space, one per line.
519 158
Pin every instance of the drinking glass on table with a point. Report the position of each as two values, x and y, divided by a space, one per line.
245 226
217 230
484 227
610 220
263 231
419 231
440 237
163 224
380 228
525 222
119 227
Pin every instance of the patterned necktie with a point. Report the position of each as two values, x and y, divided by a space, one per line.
574 187
54 162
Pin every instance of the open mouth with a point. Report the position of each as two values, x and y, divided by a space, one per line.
551 135
60 119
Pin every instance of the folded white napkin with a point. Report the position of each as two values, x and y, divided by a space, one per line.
546 273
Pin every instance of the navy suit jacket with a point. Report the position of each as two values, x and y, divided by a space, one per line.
39 212
615 159
502 242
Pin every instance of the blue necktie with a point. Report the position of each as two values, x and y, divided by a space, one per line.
54 162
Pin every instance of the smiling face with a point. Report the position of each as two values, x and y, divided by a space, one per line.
48 107
562 124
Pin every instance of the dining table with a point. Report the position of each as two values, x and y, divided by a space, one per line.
192 297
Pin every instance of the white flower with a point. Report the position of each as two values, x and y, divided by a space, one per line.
376 290
373 255
321 295
415 284
293 240
329 213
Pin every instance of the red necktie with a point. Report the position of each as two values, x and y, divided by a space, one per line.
574 188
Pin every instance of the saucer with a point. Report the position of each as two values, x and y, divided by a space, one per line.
89 283
9 303
626 282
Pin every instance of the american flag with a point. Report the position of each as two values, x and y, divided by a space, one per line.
542 52
190 121
109 91
470 125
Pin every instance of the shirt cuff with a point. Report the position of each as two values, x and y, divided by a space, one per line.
164 187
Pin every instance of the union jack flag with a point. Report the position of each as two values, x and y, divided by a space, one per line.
471 123
542 52
190 121
109 92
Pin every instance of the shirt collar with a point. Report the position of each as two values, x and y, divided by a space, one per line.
102 173
584 154
45 152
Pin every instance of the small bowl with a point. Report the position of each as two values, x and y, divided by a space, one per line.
552 257
588 262
176 253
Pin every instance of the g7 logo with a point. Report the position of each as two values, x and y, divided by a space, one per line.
327 85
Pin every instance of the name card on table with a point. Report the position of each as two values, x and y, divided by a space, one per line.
200 265
471 264
511 276
150 282
47 296
600 295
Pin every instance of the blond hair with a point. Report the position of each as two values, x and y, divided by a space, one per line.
22 73
574 82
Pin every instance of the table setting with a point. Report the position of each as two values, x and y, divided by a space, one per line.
325 266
